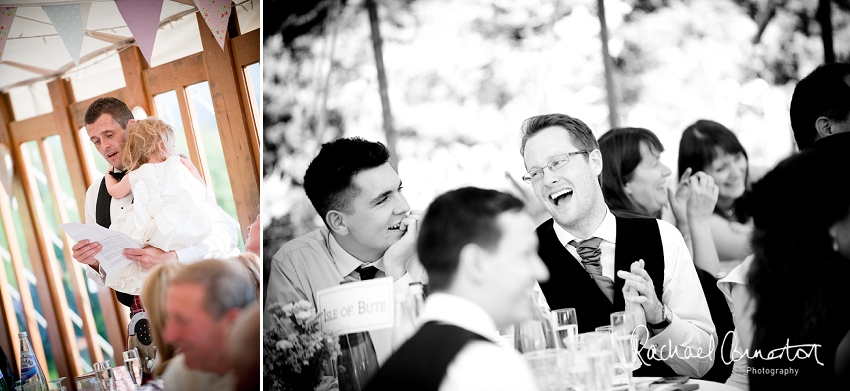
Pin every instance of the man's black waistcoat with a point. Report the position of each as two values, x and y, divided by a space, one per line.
421 363
570 286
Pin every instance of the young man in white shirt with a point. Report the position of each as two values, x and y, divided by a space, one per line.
600 263
480 253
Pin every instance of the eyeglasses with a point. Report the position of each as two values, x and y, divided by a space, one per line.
557 163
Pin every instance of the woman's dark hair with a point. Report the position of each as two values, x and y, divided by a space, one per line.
620 149
700 144
797 281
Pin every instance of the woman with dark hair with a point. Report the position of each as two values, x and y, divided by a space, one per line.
799 273
634 181
710 147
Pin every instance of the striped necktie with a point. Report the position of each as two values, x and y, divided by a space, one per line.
590 254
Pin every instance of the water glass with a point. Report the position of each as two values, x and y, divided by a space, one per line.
133 365
604 329
597 356
623 324
565 323
531 335
549 367
56 384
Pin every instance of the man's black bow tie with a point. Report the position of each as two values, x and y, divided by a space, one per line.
118 175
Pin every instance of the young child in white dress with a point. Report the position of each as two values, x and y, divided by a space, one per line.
171 206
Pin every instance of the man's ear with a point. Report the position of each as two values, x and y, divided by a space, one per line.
594 158
824 127
336 222
231 316
472 263
130 122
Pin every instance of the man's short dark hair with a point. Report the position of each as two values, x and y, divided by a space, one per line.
581 133
455 219
825 92
112 106
328 181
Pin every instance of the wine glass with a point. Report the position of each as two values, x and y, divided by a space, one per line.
530 335
623 325
565 324
56 384
133 365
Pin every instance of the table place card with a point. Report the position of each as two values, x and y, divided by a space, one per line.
357 306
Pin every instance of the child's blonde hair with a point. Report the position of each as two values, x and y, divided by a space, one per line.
153 301
143 138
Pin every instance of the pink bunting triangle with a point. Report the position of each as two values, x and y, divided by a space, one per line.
7 16
216 13
142 18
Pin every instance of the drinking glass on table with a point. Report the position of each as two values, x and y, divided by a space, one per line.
596 355
56 384
531 335
549 368
133 365
624 341
565 324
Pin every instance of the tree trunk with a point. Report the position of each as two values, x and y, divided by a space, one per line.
390 133
613 114
824 17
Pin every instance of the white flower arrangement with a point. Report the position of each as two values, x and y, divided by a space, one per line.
295 346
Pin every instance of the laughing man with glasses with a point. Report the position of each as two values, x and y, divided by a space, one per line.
626 262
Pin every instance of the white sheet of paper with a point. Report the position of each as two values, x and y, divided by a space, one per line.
111 257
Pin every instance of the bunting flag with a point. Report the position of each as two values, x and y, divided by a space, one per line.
216 13
68 20
142 18
7 16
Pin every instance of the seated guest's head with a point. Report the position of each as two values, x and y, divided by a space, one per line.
153 301
820 105
245 349
633 178
801 265
251 266
480 244
202 302
801 242
712 148
356 191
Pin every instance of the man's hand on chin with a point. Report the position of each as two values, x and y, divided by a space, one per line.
396 257
149 256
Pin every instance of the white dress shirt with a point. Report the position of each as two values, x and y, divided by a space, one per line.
692 326
315 261
742 313
479 365
221 242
